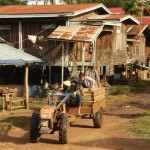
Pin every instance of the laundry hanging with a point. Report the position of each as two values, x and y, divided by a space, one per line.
32 38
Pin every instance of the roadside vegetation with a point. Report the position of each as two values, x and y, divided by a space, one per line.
140 127
118 92
14 119
6 123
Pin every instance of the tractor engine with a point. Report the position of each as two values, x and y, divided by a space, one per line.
46 119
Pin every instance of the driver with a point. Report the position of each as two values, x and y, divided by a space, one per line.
76 97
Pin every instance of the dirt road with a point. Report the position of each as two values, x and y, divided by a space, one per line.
82 135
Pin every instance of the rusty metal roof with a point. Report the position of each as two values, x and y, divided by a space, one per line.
144 20
114 17
76 33
50 9
136 29
117 10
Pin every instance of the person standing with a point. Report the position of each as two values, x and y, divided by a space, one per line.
86 81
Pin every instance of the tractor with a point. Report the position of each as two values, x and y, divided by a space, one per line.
50 118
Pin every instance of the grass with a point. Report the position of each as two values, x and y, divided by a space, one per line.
17 120
37 104
9 122
118 92
140 127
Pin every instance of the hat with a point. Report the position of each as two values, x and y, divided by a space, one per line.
67 83
74 80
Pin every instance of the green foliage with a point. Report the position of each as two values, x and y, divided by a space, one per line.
36 104
11 2
140 127
108 3
131 7
117 90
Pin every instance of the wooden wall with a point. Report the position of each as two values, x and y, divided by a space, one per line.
111 46
120 45
137 49
83 16
29 27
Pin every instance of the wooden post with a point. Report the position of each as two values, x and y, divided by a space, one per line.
20 35
83 57
126 71
26 87
104 74
62 67
50 68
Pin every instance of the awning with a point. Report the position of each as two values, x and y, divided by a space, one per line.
11 55
131 61
76 33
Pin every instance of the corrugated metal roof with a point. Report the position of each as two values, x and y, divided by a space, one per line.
144 20
76 33
112 17
136 29
117 10
11 55
49 9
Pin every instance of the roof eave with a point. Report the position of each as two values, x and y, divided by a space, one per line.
65 14
131 18
142 30
38 15
93 8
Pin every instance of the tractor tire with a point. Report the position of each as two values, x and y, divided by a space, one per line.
34 128
98 119
63 129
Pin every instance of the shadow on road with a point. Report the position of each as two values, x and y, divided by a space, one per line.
80 126
116 144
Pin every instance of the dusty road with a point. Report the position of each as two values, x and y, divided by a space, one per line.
82 135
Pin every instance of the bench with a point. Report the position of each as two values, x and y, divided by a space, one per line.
13 102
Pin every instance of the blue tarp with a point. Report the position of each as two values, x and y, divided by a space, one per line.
11 55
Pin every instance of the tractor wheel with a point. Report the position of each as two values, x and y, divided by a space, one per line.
98 119
63 129
34 128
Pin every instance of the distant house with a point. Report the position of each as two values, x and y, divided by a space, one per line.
112 44
27 28
119 10
105 48
145 20
17 22
137 42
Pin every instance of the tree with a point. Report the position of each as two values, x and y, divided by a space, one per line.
107 3
132 7
12 2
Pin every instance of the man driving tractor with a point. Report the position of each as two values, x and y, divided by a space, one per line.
76 98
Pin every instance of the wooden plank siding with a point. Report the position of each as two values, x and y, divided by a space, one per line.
111 46
137 48
29 27
120 45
